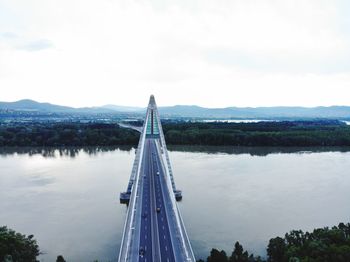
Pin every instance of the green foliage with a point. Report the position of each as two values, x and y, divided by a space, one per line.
276 250
217 256
238 255
287 133
66 134
17 247
323 244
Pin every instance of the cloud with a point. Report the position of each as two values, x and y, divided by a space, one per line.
278 62
9 35
36 45
25 43
212 53
282 36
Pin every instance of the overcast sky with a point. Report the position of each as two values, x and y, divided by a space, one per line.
213 53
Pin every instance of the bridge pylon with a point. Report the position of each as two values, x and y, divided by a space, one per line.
152 128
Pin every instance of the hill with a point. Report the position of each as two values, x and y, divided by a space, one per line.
338 112
193 111
34 106
31 105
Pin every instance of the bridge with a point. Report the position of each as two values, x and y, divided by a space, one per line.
154 230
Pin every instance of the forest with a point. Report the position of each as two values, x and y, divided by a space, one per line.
66 134
284 133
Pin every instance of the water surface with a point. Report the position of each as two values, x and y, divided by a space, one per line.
68 198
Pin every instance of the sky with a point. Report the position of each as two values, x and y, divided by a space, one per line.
212 53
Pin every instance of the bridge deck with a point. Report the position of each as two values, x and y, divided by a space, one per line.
154 224
154 230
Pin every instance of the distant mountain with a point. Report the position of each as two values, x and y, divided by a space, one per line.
124 108
94 110
182 110
342 112
192 111
31 105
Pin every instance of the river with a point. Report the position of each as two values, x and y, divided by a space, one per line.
68 198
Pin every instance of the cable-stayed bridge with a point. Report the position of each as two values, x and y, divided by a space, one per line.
154 230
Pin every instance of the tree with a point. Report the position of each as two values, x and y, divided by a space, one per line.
217 256
17 247
238 254
60 259
276 250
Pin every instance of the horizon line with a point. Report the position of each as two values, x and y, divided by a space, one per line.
144 107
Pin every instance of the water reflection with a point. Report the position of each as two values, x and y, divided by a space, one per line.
255 151
53 152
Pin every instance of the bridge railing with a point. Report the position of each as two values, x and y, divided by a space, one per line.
129 226
163 144
180 231
135 165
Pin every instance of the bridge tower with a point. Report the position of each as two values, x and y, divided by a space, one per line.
152 127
